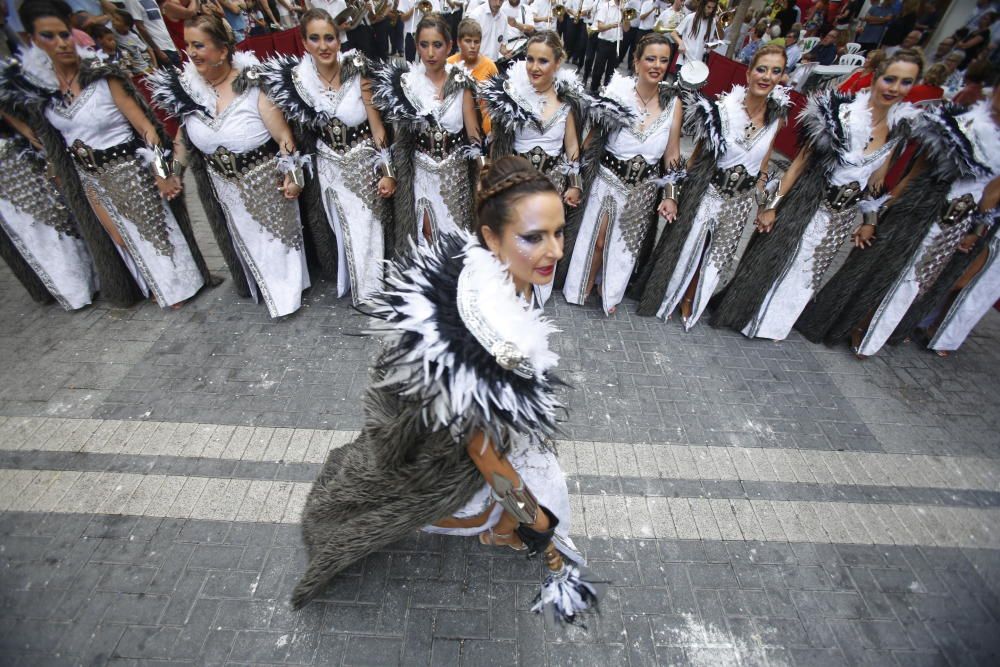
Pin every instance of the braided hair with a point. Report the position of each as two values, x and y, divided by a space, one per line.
506 181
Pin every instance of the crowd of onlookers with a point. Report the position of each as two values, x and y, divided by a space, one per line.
144 34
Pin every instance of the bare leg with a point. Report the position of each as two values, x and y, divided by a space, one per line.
426 228
692 289
105 219
598 259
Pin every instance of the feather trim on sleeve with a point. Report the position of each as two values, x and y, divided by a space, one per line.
18 95
614 107
778 104
281 79
169 93
501 106
820 127
390 98
948 148
703 122
436 306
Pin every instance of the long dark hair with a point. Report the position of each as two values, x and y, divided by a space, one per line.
40 9
699 17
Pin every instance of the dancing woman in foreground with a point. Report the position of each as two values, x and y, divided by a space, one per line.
736 135
326 97
846 144
461 406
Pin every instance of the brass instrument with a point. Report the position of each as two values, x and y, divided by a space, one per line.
425 6
559 11
352 16
630 14
726 19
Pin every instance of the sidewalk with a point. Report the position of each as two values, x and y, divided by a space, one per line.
751 502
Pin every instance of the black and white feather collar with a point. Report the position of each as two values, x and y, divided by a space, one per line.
404 95
960 143
294 85
512 101
180 92
461 342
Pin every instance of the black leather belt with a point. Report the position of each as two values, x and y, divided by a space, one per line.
95 159
733 181
540 160
958 210
839 197
342 138
230 165
438 143
630 171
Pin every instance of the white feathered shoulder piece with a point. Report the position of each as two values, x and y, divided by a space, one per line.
462 343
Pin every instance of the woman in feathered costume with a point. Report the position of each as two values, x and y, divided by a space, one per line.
846 144
884 291
538 111
39 238
245 163
461 406
326 97
432 108
110 155
736 135
633 152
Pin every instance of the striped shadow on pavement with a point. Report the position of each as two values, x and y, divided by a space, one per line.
225 499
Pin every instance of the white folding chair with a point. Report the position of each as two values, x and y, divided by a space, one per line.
852 47
851 60
808 43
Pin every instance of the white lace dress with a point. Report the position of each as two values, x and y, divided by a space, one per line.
265 227
628 207
156 252
828 230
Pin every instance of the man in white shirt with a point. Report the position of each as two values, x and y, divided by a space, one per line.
608 22
541 12
151 28
451 10
493 23
410 16
520 20
671 15
793 52
590 50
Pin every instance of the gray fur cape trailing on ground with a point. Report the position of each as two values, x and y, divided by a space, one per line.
868 274
434 384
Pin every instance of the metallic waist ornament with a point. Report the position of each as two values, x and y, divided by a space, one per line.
733 181
958 210
98 159
438 142
842 197
540 160
630 171
342 138
233 165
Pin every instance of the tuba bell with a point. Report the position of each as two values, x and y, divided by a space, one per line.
630 14
352 16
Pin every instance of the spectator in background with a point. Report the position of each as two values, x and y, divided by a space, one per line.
759 40
876 21
903 21
492 25
928 17
978 39
977 76
786 15
944 47
140 56
982 7
911 40
929 87
150 27
233 11
955 75
106 43
95 13
862 78
825 52
774 37
793 52
815 18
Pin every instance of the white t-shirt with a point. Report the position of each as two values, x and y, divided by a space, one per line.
694 44
522 14
542 8
494 28
589 6
334 7
648 22
608 12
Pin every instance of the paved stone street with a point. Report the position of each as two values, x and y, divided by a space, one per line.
752 503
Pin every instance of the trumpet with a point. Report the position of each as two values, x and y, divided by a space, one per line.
559 11
726 18
425 6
